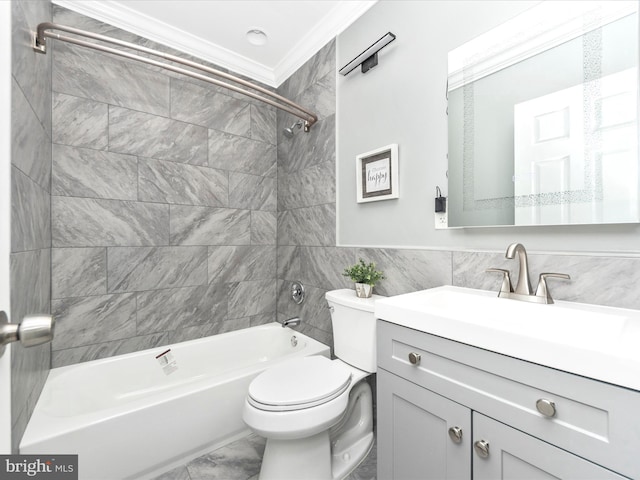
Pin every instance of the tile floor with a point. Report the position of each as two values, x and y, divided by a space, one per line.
241 460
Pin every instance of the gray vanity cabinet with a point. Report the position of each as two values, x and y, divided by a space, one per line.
449 410
413 433
514 455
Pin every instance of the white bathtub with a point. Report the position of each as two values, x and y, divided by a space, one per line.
127 418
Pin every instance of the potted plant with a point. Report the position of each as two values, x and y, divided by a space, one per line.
365 277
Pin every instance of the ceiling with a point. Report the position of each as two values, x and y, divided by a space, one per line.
215 30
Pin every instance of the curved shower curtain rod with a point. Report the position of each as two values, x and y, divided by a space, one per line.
275 100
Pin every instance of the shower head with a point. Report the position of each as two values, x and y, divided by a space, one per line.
289 131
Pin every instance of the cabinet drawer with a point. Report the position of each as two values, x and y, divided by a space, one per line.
592 419
511 454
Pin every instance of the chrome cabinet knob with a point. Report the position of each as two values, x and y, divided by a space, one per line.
414 358
546 407
455 433
482 448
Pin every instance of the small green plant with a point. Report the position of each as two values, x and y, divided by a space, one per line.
363 273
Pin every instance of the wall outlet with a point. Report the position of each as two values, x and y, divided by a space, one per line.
442 220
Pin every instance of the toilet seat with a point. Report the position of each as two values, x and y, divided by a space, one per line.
298 384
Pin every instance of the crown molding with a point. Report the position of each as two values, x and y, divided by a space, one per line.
334 23
119 15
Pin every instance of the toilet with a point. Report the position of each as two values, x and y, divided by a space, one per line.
317 413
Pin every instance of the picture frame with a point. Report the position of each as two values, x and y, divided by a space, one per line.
377 174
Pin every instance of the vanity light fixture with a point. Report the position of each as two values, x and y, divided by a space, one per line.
369 58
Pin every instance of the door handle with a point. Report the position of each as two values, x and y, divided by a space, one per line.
33 330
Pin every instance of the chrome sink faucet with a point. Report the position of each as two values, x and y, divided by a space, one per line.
523 290
523 287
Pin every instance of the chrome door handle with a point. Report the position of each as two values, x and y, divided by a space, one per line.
33 330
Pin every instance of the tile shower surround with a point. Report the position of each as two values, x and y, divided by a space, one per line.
30 260
163 207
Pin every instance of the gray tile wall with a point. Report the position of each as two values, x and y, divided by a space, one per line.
163 211
30 265
306 198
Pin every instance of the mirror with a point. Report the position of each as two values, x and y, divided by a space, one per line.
542 118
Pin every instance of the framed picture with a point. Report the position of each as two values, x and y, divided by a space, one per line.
377 174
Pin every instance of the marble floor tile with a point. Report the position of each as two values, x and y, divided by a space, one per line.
180 473
241 460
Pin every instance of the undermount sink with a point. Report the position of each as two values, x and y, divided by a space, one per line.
589 340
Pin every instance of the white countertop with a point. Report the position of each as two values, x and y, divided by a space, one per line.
589 340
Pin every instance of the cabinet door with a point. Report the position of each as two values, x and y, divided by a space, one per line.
514 455
413 433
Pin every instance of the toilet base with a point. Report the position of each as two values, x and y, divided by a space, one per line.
344 463
310 459
329 455
304 459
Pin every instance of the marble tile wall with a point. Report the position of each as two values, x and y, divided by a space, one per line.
306 198
30 263
163 210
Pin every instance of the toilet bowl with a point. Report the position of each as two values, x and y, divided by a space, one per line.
305 410
317 413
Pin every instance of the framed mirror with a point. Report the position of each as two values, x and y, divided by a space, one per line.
542 118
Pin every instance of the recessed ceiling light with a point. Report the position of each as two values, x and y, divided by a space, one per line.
256 36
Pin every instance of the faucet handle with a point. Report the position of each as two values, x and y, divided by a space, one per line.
543 290
506 279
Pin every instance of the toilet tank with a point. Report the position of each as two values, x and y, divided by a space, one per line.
354 328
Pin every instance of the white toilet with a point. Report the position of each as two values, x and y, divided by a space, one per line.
316 413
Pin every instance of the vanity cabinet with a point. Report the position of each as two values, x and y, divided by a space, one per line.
413 432
513 455
449 410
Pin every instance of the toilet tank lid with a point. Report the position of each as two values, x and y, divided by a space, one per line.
347 297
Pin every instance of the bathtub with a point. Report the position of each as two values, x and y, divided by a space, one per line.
138 415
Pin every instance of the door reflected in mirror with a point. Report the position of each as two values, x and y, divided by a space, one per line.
543 119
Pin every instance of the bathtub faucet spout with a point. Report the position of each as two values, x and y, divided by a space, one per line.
292 322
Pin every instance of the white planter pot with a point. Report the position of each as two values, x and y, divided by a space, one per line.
364 290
